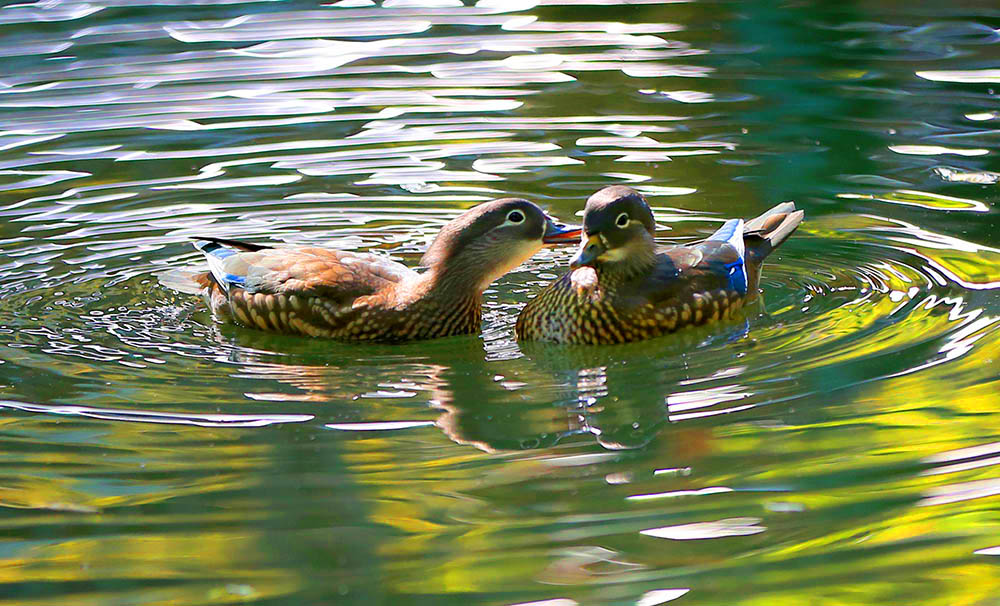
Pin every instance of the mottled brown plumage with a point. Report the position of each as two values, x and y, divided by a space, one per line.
622 288
351 296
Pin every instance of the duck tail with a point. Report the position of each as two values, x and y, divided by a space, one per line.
765 233
190 282
215 249
207 244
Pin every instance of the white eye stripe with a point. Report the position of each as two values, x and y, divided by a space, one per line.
622 220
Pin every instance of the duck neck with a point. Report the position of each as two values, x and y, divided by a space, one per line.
446 305
637 258
466 274
449 285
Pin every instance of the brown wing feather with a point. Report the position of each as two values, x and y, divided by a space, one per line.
317 272
312 291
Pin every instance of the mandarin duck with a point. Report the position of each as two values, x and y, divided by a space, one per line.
622 288
353 296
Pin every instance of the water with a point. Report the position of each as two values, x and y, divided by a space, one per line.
836 446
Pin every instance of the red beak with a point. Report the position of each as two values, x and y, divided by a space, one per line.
557 233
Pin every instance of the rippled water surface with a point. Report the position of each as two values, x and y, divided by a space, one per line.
838 445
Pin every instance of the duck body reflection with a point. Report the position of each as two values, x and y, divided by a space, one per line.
621 288
352 296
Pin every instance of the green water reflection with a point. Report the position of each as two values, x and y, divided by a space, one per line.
835 445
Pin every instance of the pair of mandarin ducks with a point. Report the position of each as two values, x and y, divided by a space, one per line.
621 287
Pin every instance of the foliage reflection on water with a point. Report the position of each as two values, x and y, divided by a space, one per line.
836 444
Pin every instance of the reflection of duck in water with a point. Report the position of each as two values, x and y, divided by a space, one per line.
613 396
616 406
353 296
621 288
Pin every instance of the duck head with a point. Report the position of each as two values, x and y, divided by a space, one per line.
491 239
618 231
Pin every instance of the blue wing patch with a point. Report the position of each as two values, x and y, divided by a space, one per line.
731 233
215 254
214 249
737 276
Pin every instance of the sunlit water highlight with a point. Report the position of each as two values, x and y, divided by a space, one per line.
838 443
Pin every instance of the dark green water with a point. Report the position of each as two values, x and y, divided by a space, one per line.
838 446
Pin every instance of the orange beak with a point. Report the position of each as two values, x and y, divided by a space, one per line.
557 233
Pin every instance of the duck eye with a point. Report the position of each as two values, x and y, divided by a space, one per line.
622 220
515 216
